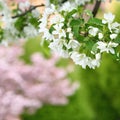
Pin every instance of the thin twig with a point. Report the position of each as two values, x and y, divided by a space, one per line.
26 12
96 7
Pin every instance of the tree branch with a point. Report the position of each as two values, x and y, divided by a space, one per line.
96 7
26 12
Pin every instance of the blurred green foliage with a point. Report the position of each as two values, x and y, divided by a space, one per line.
34 45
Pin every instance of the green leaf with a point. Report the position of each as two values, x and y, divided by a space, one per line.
89 44
51 29
117 40
34 22
75 25
76 31
1 34
95 21
76 22
89 13
94 48
20 23
70 14
55 2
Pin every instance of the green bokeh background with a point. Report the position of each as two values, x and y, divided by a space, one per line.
98 97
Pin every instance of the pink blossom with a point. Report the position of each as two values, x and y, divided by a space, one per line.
19 1
30 86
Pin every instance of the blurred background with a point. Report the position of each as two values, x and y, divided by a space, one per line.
98 95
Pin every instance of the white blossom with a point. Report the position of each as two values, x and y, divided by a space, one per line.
93 31
35 13
69 29
108 18
83 60
46 34
107 47
43 27
47 2
79 59
57 47
23 6
71 35
100 35
95 62
59 32
115 25
74 44
81 2
30 31
57 19
67 6
113 36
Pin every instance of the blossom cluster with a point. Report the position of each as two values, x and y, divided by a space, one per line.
70 29
12 27
29 86
72 36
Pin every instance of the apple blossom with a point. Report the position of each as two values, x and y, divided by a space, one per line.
70 30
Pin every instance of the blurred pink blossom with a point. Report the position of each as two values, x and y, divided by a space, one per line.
18 1
29 86
23 4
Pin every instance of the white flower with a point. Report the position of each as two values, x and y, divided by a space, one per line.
43 27
83 60
67 6
98 56
75 45
59 32
81 2
107 47
5 20
71 35
46 34
92 63
57 46
110 47
47 2
64 53
113 36
115 25
30 31
57 19
108 18
44 19
93 31
49 10
102 46
35 13
100 35
4 9
24 5
80 59
69 29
